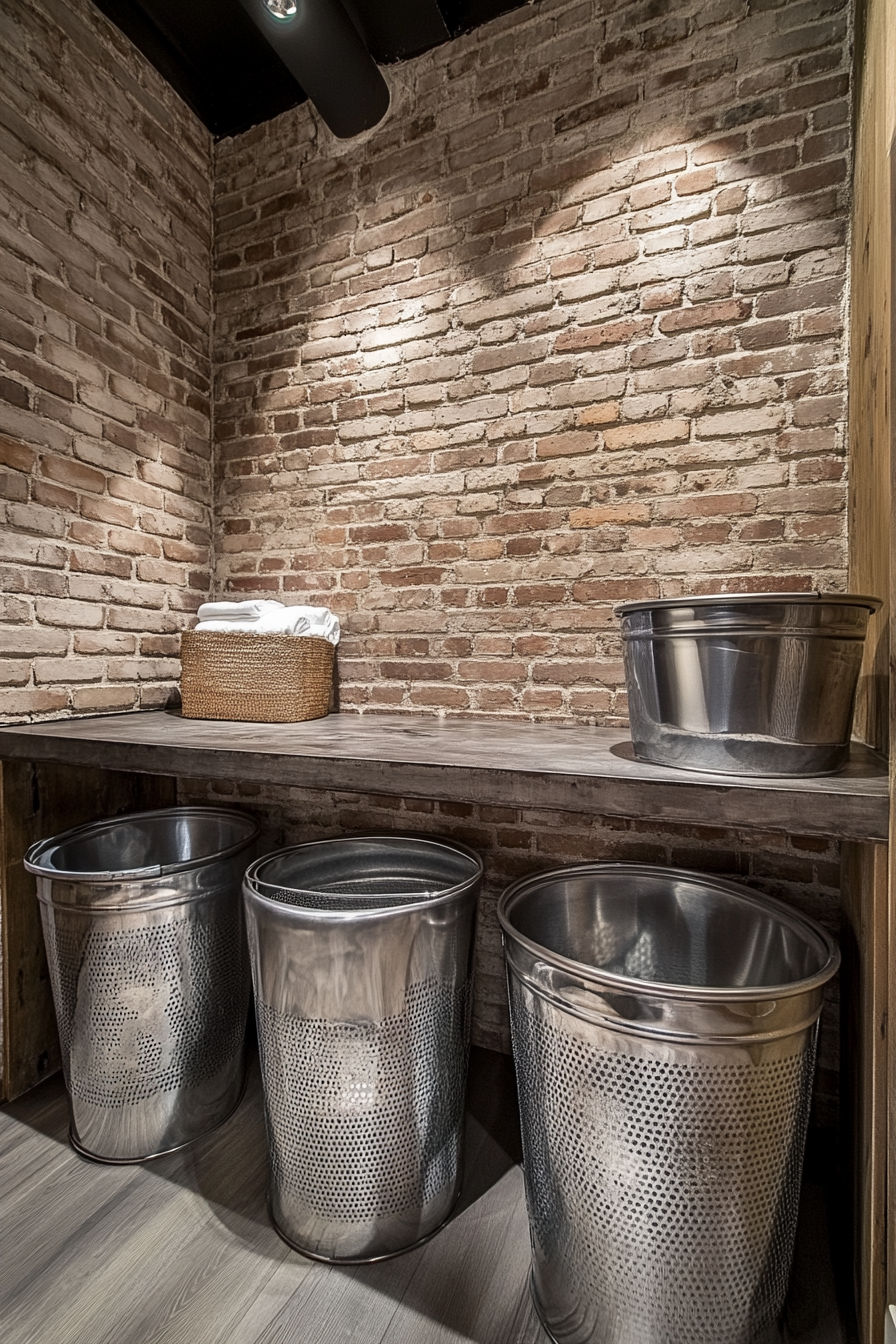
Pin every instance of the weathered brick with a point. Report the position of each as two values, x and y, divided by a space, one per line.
541 383
86 370
570 443
17 456
646 434
605 413
609 513
73 473
706 314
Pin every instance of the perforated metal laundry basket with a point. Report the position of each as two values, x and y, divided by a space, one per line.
143 926
664 1029
361 952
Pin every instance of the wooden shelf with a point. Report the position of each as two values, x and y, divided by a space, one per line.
543 765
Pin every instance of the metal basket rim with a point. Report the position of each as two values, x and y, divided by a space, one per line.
41 848
747 599
252 883
698 993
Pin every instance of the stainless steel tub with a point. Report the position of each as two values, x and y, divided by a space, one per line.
361 952
748 684
664 1028
144 933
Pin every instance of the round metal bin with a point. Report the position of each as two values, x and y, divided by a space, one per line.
361 952
745 683
664 1028
143 927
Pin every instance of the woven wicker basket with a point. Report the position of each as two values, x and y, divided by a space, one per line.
256 678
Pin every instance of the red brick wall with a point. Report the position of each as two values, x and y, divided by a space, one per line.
566 328
105 478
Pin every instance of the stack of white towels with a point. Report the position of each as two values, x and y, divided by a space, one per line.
269 618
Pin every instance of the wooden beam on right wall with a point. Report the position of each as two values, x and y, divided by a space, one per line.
870 354
891 1179
872 544
865 992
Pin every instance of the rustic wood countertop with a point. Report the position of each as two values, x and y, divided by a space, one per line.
517 764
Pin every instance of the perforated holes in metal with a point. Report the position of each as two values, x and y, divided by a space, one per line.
660 1193
364 1118
147 1010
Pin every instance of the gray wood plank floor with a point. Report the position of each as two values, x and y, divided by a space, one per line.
181 1251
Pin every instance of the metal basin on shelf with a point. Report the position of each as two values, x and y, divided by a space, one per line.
751 684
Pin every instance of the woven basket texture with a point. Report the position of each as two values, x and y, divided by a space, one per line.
256 678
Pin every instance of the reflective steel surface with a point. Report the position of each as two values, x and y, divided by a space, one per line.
149 973
664 1030
141 844
361 954
754 684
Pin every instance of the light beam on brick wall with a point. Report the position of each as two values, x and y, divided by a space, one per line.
566 330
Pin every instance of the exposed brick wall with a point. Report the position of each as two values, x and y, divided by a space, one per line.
105 246
566 328
805 872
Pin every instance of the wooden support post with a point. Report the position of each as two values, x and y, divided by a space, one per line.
872 540
864 1086
890 1192
891 1089
37 801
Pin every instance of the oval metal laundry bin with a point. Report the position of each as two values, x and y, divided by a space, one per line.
143 926
664 1028
361 952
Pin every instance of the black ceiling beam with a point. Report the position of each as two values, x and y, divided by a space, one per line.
321 47
394 30
462 16
212 54
216 58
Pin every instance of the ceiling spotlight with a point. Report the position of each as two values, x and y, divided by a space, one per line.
323 50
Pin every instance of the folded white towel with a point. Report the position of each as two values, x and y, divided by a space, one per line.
269 618
301 621
237 611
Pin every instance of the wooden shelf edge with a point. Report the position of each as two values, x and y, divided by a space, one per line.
522 765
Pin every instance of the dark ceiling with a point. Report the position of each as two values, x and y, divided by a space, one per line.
219 62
